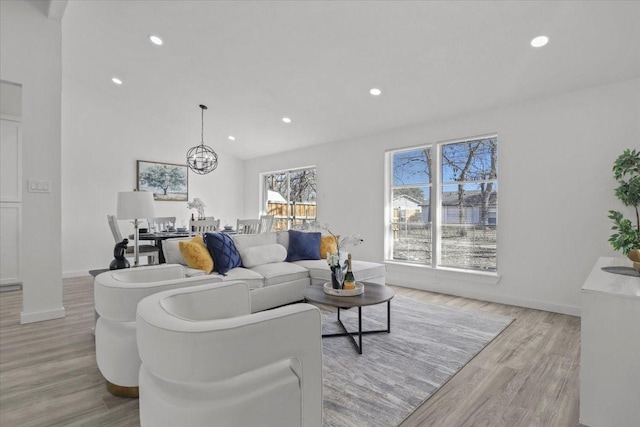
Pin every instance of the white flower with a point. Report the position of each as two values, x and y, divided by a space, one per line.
333 260
342 242
199 205
196 204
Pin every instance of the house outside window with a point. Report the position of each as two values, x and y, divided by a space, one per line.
443 204
290 196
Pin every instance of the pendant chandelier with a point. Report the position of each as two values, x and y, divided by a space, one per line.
202 159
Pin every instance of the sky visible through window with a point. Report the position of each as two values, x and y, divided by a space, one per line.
467 161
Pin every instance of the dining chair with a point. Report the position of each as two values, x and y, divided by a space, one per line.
248 226
266 222
150 251
161 223
202 226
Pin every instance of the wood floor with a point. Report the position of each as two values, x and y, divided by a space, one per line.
528 376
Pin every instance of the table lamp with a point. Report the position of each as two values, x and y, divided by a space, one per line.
134 205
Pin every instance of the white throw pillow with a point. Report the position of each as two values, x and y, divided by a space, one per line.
283 238
264 254
171 250
244 241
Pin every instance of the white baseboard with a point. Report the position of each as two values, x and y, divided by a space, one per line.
537 305
11 287
40 316
70 274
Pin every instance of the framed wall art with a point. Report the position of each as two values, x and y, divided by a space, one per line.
167 181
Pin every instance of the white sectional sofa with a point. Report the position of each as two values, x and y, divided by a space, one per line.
271 283
275 283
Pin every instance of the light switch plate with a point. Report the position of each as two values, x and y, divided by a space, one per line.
38 186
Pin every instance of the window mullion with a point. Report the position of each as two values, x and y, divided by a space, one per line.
289 222
436 205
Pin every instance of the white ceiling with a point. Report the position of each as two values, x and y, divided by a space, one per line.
252 63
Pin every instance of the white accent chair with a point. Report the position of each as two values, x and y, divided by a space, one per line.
116 297
206 360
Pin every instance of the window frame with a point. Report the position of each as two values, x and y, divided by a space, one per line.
264 199
436 185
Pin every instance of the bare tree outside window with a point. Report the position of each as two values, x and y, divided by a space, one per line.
291 197
411 195
467 191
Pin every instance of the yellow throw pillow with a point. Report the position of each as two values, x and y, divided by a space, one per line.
328 244
196 255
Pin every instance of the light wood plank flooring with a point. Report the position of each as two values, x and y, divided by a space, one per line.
528 376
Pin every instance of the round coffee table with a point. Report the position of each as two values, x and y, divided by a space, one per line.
373 294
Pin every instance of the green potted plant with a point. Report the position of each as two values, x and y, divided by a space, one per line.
626 170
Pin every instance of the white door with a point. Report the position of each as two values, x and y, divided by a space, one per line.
10 200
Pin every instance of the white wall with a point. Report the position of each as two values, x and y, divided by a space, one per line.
103 136
30 54
556 187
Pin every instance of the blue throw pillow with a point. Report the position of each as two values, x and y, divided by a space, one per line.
223 251
303 245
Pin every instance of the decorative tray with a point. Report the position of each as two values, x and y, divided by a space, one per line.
328 289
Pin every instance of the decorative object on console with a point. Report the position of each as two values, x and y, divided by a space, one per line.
202 159
634 256
134 205
120 260
199 205
167 181
626 171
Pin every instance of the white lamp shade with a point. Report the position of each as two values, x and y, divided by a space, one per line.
135 204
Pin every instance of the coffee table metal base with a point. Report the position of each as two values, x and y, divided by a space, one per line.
360 332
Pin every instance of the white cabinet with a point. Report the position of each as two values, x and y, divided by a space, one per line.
10 200
610 348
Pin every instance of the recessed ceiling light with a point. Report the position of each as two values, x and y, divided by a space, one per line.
155 40
232 138
286 119
375 91
116 80
539 41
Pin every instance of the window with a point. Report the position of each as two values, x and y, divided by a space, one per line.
443 204
290 196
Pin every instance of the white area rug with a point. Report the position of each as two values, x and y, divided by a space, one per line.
427 345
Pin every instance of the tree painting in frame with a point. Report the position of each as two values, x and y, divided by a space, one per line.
167 181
